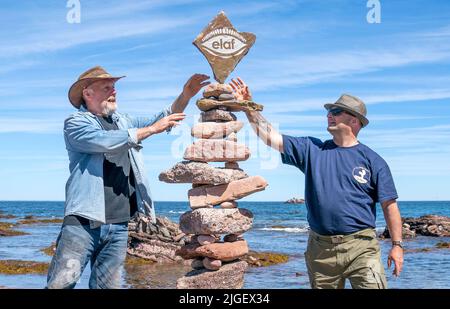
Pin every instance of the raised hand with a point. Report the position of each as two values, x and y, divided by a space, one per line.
241 90
194 84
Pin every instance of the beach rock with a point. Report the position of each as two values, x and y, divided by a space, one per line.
223 46
215 130
153 249
231 105
429 225
200 173
229 276
211 150
212 264
216 221
217 115
228 205
214 195
232 137
205 239
157 242
215 90
197 264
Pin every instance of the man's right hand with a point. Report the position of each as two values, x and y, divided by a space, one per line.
167 122
160 126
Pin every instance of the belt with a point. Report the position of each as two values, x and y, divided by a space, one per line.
367 234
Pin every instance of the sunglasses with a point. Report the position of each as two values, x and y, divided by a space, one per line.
335 111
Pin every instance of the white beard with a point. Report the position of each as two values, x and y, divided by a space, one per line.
109 109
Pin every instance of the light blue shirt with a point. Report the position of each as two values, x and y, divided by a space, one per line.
87 143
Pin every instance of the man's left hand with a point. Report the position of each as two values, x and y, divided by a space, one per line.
194 84
396 256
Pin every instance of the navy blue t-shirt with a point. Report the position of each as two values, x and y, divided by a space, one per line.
342 184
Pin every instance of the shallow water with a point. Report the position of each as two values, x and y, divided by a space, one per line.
277 227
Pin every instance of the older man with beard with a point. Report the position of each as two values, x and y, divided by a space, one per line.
107 183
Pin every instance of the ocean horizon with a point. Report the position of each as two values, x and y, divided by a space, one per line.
278 227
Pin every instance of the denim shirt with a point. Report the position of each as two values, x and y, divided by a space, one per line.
87 143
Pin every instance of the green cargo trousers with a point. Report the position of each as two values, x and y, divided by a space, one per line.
332 259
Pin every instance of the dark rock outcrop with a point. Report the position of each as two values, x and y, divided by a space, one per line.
429 225
295 200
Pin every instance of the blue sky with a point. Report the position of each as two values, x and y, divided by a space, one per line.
306 53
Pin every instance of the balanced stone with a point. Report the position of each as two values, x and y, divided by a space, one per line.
231 105
232 237
229 205
214 195
216 221
232 165
206 239
226 97
211 264
229 276
197 264
217 115
200 173
216 129
213 150
224 251
216 90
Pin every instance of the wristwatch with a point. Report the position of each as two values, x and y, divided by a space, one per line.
397 243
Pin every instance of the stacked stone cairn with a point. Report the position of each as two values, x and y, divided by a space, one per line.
214 193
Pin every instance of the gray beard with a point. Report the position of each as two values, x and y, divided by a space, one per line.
109 109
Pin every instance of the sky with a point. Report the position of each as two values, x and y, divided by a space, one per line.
307 53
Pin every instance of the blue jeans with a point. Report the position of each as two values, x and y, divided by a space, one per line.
105 247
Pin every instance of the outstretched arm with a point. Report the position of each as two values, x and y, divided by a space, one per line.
260 125
265 131
190 89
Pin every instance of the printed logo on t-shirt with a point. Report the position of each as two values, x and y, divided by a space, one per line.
361 174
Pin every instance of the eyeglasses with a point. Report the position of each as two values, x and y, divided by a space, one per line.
336 111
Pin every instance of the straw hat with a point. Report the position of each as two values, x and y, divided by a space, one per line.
352 105
90 76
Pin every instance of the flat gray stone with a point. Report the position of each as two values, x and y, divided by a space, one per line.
200 173
217 115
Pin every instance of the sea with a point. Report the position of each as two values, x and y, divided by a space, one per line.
278 227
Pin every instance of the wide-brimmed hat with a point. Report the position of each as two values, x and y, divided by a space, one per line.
92 75
351 105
